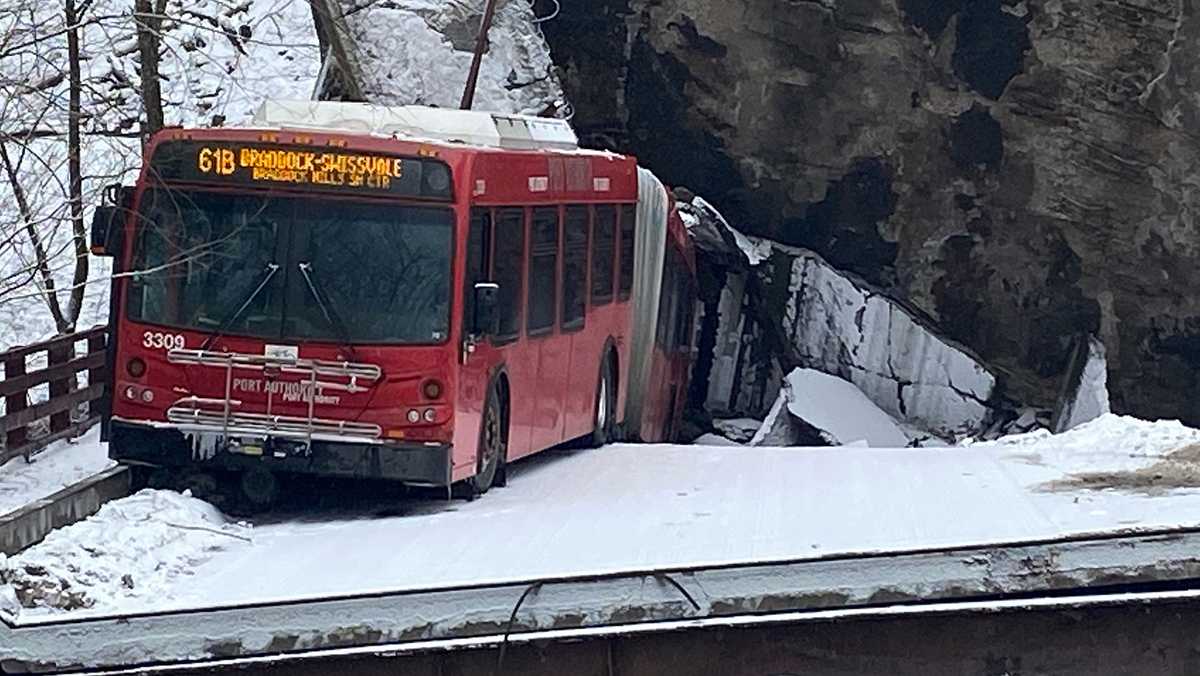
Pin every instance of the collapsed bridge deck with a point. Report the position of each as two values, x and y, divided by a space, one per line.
636 534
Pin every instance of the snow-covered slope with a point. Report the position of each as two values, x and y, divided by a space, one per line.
419 52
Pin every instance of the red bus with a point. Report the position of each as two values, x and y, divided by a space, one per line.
414 294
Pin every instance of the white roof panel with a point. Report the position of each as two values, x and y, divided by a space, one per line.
448 125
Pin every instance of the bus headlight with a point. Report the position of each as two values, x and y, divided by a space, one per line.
430 415
414 416
432 389
136 367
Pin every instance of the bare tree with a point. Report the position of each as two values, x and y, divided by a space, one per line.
80 82
74 171
148 15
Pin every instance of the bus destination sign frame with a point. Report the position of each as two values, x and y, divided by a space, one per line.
272 165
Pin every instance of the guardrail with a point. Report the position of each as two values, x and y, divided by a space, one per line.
30 420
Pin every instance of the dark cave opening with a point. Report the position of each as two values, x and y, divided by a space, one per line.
586 41
959 305
991 46
844 227
931 16
976 139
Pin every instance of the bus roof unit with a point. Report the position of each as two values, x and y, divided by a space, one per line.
446 125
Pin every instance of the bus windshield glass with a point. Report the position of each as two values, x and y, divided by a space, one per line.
204 261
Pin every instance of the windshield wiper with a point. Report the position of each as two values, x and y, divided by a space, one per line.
335 322
272 268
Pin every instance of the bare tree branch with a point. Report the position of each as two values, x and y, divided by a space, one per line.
35 239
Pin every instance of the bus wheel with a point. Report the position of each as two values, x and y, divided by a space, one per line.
491 443
259 489
606 405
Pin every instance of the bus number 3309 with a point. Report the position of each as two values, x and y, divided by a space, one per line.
156 340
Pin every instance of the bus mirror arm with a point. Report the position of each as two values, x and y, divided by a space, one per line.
483 324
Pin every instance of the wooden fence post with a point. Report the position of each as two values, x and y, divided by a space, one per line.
96 343
14 367
61 354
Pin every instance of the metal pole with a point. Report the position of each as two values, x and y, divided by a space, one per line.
473 77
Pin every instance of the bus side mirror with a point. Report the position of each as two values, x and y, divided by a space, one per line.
104 222
484 321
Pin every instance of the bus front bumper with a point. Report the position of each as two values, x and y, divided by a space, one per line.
162 445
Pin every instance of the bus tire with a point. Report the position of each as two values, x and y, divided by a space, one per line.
492 443
606 404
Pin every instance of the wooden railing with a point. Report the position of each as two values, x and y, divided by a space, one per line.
30 421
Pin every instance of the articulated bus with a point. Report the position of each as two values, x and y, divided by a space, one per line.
405 293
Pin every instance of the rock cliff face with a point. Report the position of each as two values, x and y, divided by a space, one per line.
1019 171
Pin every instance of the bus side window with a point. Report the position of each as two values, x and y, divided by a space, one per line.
478 265
543 270
507 265
628 219
685 306
575 257
603 249
666 306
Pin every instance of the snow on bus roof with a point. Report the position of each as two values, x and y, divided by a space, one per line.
444 125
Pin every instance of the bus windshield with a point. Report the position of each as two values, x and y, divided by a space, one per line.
382 269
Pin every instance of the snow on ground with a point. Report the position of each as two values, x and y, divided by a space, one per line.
134 551
62 464
1110 443
627 507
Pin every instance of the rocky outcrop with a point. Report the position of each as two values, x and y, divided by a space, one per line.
1019 171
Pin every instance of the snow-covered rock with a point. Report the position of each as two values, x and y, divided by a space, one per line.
1087 390
801 311
814 404
737 429
710 439
779 428
420 51
839 326
839 411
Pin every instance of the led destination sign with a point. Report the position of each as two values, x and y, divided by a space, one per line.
267 165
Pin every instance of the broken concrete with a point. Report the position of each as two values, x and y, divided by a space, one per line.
783 307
